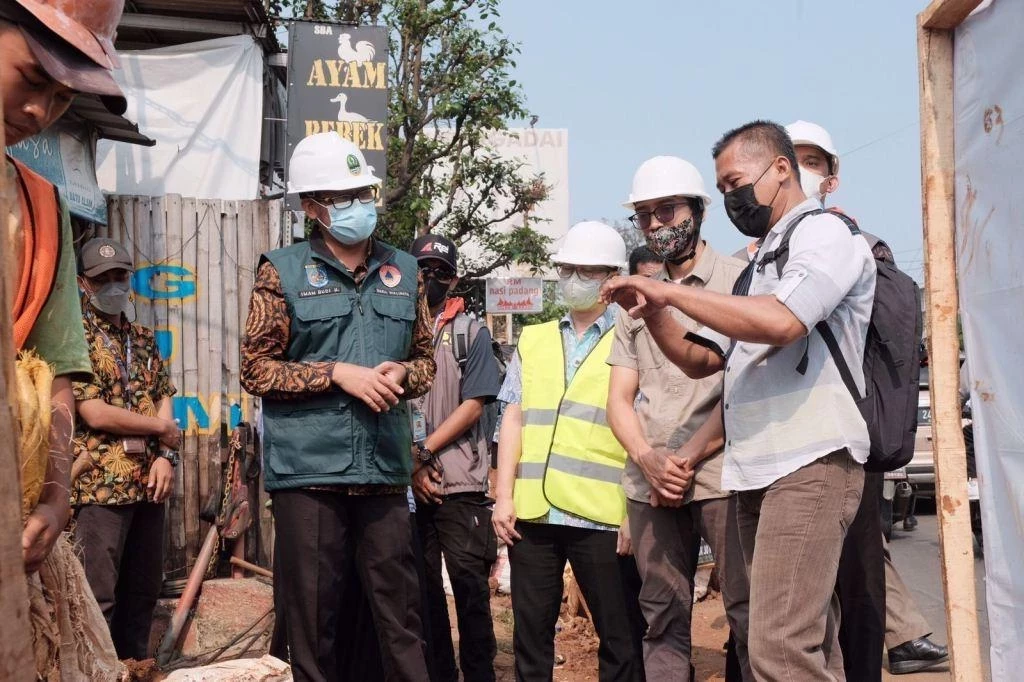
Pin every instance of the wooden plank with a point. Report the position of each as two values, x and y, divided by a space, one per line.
16 658
174 559
946 14
935 55
159 254
238 214
205 227
142 239
266 236
212 381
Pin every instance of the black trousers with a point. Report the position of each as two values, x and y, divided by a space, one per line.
122 549
537 562
860 585
321 538
631 584
459 529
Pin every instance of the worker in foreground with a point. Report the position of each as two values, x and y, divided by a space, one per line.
337 340
558 491
50 52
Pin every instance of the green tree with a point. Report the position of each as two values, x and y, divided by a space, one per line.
450 91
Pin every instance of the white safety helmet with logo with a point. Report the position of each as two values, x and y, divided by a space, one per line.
666 176
327 161
805 132
592 243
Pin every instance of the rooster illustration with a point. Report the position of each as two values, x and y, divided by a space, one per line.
362 52
343 115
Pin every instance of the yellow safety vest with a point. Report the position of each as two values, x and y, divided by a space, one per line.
570 458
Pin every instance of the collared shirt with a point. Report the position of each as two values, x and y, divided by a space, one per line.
670 405
776 418
135 380
575 349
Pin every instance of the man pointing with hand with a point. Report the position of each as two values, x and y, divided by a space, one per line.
337 339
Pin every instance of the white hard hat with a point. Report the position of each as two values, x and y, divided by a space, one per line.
327 161
666 176
592 243
805 132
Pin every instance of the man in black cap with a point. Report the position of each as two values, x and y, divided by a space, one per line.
451 448
126 443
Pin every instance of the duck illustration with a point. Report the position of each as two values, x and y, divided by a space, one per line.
362 52
343 115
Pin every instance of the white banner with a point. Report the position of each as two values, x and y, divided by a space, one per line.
515 295
989 142
203 104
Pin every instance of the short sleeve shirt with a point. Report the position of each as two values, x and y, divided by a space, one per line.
778 419
670 405
57 334
118 477
481 378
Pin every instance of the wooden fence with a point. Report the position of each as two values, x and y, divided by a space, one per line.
195 262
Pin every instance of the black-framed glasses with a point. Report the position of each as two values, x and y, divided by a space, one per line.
664 213
366 195
583 271
442 274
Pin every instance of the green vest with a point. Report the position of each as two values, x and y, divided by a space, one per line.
333 438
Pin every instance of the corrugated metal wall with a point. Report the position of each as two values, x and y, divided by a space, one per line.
195 261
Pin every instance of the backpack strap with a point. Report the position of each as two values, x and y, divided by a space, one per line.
780 254
741 287
837 357
464 331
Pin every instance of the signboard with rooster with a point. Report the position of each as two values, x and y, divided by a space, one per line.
337 81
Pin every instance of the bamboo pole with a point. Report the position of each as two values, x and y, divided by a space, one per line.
935 61
16 660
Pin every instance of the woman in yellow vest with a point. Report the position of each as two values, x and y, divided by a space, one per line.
559 493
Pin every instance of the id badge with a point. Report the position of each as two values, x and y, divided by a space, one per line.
134 446
419 427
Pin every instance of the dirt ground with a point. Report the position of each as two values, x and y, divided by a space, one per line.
577 642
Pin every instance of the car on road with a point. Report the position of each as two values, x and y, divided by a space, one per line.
921 469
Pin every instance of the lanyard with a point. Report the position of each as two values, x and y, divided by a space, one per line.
123 364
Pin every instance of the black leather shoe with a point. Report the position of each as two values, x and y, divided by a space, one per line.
915 655
909 523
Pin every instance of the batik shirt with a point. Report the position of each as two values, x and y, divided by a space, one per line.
135 380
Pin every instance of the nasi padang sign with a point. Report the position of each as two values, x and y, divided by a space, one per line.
515 295
337 82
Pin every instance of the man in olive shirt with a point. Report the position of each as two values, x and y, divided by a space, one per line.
666 519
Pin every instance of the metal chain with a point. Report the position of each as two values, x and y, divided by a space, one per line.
211 569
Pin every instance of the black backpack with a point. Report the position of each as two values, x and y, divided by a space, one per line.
892 352
464 331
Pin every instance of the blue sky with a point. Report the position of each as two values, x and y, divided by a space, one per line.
632 80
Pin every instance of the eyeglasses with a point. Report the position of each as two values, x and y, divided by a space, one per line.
583 271
439 272
367 195
664 213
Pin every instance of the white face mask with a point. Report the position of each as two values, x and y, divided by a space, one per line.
810 183
580 294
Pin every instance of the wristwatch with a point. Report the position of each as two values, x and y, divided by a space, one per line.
171 456
423 454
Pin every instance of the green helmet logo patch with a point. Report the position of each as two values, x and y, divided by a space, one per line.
353 164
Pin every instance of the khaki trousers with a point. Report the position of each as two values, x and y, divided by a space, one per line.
903 620
792 535
666 541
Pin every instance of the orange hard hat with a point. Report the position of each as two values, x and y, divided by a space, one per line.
87 25
74 42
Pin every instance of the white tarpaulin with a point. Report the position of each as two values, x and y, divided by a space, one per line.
989 139
203 104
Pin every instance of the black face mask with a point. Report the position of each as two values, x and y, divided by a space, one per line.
750 217
436 291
